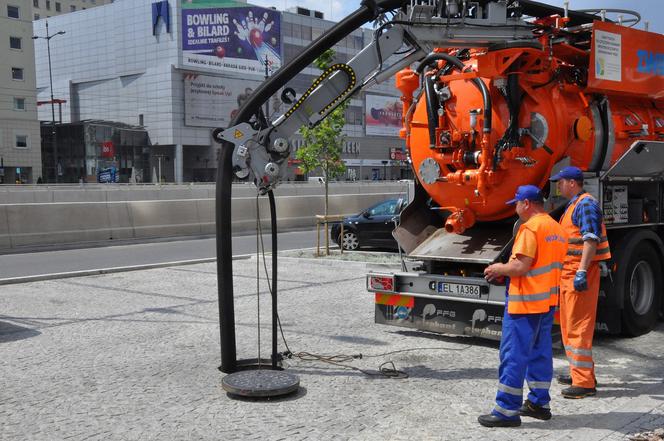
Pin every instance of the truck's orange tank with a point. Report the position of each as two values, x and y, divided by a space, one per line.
560 116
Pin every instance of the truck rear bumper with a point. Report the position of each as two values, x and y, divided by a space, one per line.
443 304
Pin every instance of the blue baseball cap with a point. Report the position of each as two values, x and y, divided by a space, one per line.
526 192
569 172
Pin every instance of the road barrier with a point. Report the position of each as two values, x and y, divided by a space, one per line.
37 216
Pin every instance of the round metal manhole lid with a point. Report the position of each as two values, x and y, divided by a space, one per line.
260 383
429 171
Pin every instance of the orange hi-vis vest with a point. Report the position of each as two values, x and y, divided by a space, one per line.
538 289
575 239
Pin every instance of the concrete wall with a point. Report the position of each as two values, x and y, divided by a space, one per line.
40 216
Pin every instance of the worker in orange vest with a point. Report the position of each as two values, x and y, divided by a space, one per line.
579 285
525 346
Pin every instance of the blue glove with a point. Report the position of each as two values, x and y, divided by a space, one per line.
580 281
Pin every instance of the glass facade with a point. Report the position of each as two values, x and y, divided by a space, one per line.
93 151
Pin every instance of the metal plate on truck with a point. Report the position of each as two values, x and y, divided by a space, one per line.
472 291
444 316
480 244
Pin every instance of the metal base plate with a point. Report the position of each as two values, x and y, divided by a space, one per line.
260 383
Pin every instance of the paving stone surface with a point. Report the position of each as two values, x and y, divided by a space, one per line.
134 356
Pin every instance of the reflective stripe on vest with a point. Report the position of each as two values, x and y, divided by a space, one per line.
575 239
538 290
544 269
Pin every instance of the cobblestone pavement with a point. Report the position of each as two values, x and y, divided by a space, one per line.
134 356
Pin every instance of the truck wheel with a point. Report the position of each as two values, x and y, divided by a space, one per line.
640 272
350 241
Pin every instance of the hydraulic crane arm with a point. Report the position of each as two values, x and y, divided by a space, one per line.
262 150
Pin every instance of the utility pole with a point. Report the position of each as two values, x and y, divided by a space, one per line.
50 78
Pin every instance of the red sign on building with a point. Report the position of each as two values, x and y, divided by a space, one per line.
107 149
397 154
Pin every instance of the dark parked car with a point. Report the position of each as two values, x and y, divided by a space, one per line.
371 228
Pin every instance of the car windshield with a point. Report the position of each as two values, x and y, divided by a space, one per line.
386 208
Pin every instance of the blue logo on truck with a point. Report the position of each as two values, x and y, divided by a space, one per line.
650 62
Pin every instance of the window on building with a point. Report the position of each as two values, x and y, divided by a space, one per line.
287 29
15 43
296 32
19 103
21 141
35 3
12 11
306 33
58 7
48 4
17 73
72 8
359 43
36 16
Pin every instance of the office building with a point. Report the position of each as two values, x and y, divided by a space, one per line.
20 146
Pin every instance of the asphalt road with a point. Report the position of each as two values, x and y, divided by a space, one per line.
128 255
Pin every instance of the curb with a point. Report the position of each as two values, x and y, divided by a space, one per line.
118 269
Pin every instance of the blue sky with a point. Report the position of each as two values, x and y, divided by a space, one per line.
337 9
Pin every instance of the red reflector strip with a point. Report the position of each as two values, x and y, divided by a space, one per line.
395 300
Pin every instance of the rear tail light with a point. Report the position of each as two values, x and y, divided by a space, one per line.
380 283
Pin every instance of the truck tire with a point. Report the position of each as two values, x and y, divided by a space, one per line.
639 275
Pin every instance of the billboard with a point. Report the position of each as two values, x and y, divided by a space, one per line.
231 39
212 101
383 115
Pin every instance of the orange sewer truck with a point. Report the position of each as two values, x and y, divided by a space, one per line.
590 96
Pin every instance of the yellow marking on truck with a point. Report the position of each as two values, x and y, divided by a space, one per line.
395 300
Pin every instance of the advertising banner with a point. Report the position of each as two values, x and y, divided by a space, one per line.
383 115
212 101
231 39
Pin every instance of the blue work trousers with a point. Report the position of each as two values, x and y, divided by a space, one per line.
525 353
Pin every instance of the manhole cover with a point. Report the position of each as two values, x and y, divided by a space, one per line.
260 383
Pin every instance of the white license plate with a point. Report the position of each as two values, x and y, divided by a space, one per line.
459 289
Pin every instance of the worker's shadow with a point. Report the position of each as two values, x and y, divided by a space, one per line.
10 332
614 421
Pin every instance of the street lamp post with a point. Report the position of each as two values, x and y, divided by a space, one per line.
50 78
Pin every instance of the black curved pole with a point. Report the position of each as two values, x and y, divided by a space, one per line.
275 317
367 12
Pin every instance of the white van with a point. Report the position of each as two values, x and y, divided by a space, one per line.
319 179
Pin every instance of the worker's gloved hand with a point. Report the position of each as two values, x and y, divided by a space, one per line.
580 281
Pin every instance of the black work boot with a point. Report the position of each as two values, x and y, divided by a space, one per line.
576 392
492 420
564 379
534 411
567 379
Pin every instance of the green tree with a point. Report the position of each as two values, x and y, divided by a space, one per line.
323 143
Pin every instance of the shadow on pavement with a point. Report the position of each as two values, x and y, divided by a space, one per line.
614 421
359 340
10 332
